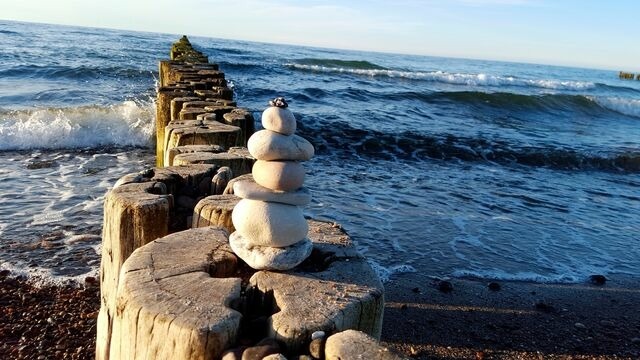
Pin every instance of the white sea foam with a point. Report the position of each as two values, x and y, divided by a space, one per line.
624 106
127 124
38 276
518 276
456 78
47 217
385 273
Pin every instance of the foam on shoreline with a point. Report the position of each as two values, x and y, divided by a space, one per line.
129 123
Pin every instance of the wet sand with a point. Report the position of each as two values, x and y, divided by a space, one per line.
519 321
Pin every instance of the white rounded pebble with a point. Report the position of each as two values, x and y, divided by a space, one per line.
270 145
278 175
270 258
269 223
280 120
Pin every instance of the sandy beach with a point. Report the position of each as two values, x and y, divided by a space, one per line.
520 320
517 321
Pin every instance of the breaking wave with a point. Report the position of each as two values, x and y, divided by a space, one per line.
369 69
129 123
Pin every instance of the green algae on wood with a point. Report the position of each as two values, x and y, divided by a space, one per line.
182 50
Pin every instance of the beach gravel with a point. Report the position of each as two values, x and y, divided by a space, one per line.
473 322
49 322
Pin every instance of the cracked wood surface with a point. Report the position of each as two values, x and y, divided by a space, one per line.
175 297
136 211
169 306
347 294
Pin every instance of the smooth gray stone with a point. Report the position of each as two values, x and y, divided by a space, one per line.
270 258
270 145
253 191
353 344
279 120
273 224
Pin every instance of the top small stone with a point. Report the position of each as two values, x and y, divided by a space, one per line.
278 118
279 102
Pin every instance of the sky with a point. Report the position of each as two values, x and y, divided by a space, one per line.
584 33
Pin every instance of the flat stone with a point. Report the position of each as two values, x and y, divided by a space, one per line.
253 191
270 258
269 223
278 175
270 145
279 120
353 344
229 188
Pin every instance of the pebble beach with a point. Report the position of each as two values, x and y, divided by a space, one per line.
468 320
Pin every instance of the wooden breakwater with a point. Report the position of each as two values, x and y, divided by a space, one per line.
171 288
628 76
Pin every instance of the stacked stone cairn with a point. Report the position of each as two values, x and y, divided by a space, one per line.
271 231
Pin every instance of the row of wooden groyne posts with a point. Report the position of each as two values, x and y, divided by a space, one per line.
171 287
628 76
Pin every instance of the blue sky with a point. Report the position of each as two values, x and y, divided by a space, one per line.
586 33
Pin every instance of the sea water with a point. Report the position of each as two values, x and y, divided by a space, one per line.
446 167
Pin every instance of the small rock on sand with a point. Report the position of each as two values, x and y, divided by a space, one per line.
597 279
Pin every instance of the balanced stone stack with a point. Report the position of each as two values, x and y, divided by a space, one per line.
271 231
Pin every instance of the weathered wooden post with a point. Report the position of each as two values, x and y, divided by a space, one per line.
140 208
171 286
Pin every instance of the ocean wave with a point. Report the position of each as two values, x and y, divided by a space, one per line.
518 102
451 78
129 123
8 32
505 100
501 100
630 107
75 73
343 140
340 64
